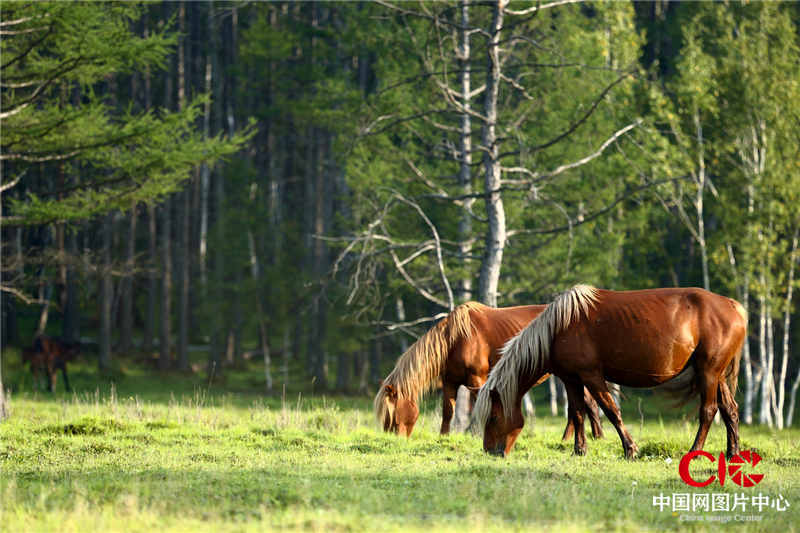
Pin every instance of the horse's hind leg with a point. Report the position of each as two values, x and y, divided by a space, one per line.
594 418
730 414
709 384
576 412
597 386
594 414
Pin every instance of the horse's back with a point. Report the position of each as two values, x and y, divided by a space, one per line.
646 337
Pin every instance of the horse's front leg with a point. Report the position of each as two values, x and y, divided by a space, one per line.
597 386
569 430
449 392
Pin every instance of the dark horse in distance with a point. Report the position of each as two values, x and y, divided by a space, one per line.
48 355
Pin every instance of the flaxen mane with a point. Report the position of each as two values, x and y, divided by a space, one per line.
529 350
418 369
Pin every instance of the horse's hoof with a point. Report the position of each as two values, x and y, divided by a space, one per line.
631 453
580 451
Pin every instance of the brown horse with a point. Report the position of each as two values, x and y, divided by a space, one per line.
635 338
461 349
48 355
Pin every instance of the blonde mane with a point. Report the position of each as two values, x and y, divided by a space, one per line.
416 371
529 351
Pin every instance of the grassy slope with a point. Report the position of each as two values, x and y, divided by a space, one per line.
167 454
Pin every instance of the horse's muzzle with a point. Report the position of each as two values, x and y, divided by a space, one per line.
498 451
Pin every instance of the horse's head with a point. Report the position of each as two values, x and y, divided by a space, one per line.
401 412
501 432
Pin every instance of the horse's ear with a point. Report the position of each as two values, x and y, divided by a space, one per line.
390 391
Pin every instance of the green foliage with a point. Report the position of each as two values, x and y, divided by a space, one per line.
62 64
407 148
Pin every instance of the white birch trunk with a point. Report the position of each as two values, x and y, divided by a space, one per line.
701 186
255 271
496 231
780 417
205 171
465 149
765 413
792 399
748 367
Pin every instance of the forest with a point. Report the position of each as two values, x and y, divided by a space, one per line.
298 190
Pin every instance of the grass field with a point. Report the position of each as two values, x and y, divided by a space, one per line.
172 454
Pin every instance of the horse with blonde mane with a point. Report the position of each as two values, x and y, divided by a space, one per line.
460 349
689 338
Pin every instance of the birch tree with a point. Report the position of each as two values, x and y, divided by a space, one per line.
452 45
760 74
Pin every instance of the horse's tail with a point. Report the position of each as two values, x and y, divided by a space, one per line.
38 344
732 371
418 369
683 387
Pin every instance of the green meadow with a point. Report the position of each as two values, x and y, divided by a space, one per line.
175 454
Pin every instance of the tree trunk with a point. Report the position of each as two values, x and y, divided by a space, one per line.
792 399
765 413
218 323
165 319
322 215
376 354
401 317
465 149
255 272
784 420
342 371
152 281
152 240
748 367
461 412
106 297
205 171
3 401
72 312
126 287
496 231
701 186
183 199
287 355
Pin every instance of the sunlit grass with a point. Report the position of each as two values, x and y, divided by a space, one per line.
203 458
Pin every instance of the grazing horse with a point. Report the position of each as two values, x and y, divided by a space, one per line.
461 349
634 338
48 355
